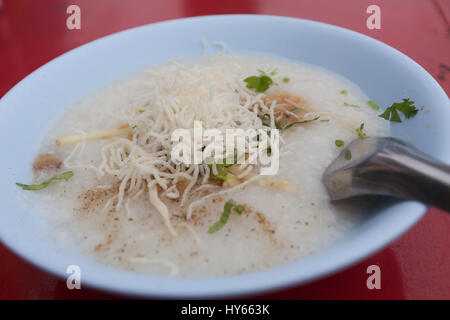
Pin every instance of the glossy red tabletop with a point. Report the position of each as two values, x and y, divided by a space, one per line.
415 266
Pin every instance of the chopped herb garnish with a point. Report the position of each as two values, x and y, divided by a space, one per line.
238 208
264 117
406 107
339 143
286 80
230 204
347 155
63 176
343 92
260 84
280 124
295 109
360 131
374 105
351 105
222 172
272 73
300 122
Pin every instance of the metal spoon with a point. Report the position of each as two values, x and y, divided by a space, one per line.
386 166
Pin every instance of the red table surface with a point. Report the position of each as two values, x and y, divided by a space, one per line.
415 266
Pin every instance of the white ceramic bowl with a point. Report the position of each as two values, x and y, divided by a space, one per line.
383 73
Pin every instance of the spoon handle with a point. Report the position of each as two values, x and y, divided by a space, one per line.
386 166
400 170
415 175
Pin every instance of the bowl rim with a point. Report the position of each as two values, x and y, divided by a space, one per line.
281 276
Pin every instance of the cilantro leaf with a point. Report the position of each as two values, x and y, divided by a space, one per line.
259 83
63 176
406 107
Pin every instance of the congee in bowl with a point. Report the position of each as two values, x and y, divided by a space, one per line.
106 178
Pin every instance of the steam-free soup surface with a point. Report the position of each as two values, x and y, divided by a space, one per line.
277 225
